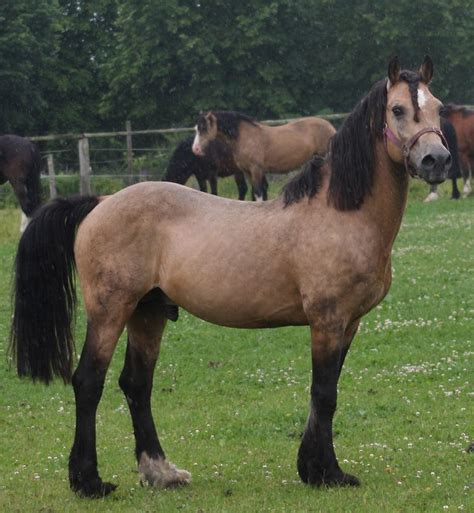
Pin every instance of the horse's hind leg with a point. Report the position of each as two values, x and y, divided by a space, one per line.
88 382
145 329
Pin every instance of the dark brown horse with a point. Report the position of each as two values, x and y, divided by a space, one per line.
258 148
20 165
217 162
153 247
462 119
455 172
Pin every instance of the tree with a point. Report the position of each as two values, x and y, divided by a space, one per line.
28 39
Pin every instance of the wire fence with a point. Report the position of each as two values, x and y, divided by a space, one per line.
105 162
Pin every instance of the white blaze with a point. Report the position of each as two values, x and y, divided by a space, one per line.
422 99
24 222
196 143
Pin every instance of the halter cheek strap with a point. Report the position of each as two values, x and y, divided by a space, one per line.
406 147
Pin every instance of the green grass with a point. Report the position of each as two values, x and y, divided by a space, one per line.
230 404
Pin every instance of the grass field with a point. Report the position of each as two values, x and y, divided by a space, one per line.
230 404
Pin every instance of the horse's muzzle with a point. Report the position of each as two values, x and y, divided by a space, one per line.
435 165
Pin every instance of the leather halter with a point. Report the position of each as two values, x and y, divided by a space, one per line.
406 147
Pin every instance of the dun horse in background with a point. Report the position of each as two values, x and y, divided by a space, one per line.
20 164
153 247
217 162
455 172
462 119
258 148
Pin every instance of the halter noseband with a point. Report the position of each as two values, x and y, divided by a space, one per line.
406 148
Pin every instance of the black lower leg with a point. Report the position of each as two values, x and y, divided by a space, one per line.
241 184
136 382
317 463
88 382
265 188
455 194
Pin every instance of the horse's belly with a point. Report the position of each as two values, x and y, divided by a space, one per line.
236 314
241 299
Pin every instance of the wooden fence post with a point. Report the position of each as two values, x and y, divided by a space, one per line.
84 166
51 177
128 128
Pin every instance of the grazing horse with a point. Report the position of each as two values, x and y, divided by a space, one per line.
218 161
462 119
20 164
153 247
258 149
450 135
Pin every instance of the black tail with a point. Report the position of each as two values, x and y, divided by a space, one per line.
44 295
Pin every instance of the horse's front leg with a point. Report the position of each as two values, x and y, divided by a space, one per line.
213 183
258 181
466 172
433 195
455 194
241 184
317 462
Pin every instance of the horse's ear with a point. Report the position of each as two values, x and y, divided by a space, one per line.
426 70
393 71
210 119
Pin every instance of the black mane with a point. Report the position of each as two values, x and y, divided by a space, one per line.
228 122
306 183
352 148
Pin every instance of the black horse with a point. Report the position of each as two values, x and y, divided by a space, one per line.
218 162
20 164
455 172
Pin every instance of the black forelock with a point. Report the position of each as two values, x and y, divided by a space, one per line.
412 78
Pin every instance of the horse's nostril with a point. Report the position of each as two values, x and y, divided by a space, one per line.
428 161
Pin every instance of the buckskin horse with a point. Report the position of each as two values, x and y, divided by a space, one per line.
217 162
462 119
258 148
153 247
20 164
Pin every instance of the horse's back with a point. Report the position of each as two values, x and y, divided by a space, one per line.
206 254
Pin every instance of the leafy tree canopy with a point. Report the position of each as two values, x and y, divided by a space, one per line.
72 65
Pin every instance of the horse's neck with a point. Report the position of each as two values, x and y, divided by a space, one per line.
386 204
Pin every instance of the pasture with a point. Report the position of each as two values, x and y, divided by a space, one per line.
230 405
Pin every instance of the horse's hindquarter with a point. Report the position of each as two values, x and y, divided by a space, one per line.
223 260
290 146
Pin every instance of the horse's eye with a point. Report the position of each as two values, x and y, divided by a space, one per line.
442 111
398 111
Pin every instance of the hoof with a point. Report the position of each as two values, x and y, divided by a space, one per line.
342 479
95 489
160 473
432 196
320 477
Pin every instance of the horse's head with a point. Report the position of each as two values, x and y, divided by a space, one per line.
206 131
20 164
412 131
